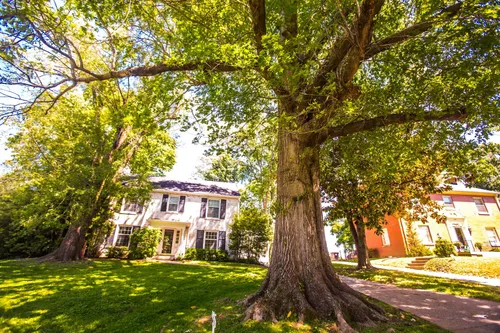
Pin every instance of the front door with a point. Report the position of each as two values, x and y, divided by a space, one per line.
168 239
460 235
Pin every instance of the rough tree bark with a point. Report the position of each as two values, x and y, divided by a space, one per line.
301 278
361 247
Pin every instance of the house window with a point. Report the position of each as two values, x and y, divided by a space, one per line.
481 207
425 234
492 237
385 238
213 208
210 240
130 206
173 204
123 236
447 201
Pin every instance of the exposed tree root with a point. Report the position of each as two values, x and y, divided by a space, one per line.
313 300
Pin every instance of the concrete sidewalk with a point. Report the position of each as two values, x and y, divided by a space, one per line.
468 278
458 314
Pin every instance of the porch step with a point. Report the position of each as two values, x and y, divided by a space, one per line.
164 257
418 263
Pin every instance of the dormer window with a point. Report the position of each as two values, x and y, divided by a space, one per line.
448 202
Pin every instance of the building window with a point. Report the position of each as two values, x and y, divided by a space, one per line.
385 238
130 206
123 236
213 208
492 237
425 234
173 204
481 207
210 240
447 201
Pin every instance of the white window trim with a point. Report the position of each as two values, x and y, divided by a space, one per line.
118 234
452 205
484 204
384 232
494 232
216 238
206 210
127 211
430 235
178 204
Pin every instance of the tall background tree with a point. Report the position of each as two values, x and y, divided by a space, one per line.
332 69
390 171
71 165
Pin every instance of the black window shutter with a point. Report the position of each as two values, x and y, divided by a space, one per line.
164 203
199 238
182 201
223 209
222 240
203 210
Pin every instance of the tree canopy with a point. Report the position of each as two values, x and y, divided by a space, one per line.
321 70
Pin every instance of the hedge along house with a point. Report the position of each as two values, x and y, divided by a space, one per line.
472 217
190 214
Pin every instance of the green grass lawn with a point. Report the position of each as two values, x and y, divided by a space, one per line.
121 296
416 281
477 266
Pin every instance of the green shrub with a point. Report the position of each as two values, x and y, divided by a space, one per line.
373 253
440 265
479 246
206 254
495 249
117 252
444 248
144 243
250 233
419 251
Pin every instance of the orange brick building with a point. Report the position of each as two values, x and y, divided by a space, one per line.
473 216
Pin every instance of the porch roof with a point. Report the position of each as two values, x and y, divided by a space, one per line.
173 224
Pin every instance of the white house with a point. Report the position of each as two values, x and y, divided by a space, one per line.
190 214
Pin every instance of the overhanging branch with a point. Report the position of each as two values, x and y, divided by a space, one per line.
393 119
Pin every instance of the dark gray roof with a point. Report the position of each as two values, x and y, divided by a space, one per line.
186 186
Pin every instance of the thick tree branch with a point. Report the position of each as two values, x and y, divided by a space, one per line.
410 32
258 11
393 119
212 66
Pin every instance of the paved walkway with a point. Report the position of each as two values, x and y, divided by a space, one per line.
458 314
469 278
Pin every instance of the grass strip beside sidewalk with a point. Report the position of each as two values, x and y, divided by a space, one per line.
416 281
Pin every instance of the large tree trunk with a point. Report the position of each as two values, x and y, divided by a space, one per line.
71 248
301 280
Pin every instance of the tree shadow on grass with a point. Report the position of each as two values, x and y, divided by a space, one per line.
112 296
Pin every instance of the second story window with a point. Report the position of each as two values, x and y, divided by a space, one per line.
129 206
447 201
481 207
213 208
173 204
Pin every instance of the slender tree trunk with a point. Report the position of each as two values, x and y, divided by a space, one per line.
361 247
301 279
